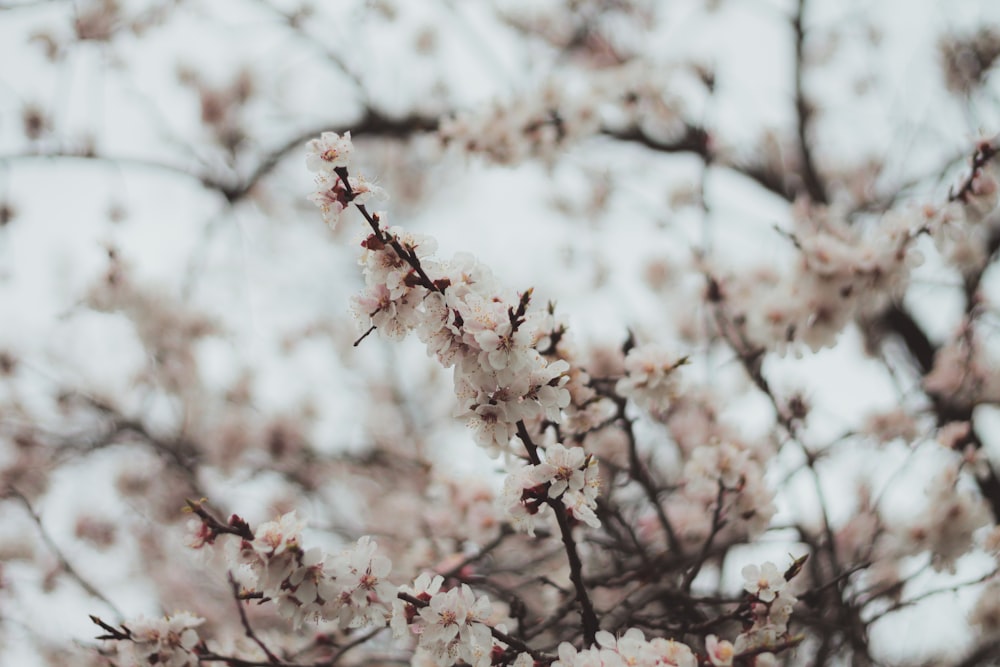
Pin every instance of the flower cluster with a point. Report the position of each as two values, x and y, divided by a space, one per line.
567 474
349 587
726 480
449 625
946 529
536 125
964 370
650 377
631 649
489 335
626 491
841 274
164 642
490 338
333 194
627 98
771 607
469 322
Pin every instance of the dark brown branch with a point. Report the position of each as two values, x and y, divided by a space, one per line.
811 179
983 655
236 525
373 123
230 661
408 256
786 645
590 625
694 139
897 321
232 187
111 632
177 452
589 616
639 472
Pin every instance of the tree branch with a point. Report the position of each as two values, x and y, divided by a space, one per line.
812 181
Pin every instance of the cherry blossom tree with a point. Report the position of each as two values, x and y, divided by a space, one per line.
572 333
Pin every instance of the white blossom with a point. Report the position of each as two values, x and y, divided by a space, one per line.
331 150
765 581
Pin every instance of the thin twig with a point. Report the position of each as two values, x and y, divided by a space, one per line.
717 524
63 562
804 112
246 622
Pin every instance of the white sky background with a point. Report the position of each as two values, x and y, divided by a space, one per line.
268 269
